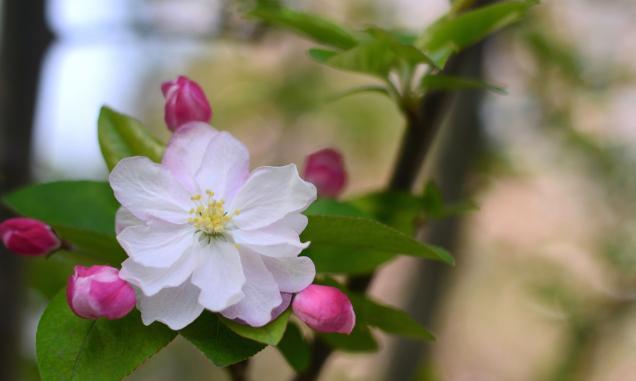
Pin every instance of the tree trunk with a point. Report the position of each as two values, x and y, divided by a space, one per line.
24 40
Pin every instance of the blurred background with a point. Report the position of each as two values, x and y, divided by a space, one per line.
546 274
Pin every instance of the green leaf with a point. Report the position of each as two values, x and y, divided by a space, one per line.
342 260
101 248
321 55
270 334
374 314
48 275
404 37
219 343
379 53
70 348
85 205
451 34
81 212
458 6
403 210
320 30
360 340
295 348
397 209
373 57
443 82
378 89
436 208
121 136
336 259
404 51
388 319
364 233
433 199
331 207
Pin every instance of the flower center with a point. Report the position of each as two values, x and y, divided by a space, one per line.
209 216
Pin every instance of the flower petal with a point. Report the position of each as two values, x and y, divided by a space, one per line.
175 307
148 190
269 194
220 277
124 218
279 239
262 295
158 243
225 166
296 221
291 274
185 152
152 280
282 307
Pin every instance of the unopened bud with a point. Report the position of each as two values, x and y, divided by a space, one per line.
98 292
27 236
185 102
325 169
325 309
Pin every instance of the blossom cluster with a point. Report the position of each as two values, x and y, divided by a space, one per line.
203 232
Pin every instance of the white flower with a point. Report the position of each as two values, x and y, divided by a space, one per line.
202 232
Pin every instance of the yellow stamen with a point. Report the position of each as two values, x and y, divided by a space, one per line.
210 216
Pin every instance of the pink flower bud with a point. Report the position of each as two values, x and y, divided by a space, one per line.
185 102
98 291
27 236
325 309
325 169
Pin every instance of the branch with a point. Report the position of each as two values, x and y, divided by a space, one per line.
422 125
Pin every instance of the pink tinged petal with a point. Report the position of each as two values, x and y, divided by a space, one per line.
325 309
77 290
151 280
225 166
282 307
29 237
175 307
83 279
185 151
98 291
269 194
262 295
114 301
124 218
291 274
147 190
325 169
220 277
158 243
